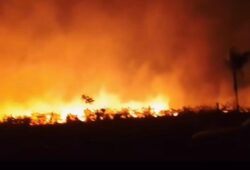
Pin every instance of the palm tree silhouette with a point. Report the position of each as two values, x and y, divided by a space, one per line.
237 61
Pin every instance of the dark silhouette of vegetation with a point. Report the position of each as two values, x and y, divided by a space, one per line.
24 121
100 114
87 99
237 61
54 118
71 118
193 135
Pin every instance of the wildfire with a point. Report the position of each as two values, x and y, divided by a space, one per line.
105 106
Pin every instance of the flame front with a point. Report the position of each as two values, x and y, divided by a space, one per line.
59 112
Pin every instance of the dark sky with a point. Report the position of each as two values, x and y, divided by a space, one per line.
57 49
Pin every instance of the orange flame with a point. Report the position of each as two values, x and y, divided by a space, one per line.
42 113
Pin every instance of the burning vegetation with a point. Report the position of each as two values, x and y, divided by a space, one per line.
91 113
53 49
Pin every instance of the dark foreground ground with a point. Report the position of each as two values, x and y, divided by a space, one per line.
191 137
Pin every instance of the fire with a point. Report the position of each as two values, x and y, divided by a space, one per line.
106 105
159 104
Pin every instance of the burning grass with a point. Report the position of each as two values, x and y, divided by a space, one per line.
88 115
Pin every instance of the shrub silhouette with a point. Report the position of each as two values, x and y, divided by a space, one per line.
72 118
17 121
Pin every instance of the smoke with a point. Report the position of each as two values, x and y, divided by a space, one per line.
58 49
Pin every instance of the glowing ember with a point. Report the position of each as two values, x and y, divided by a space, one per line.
225 111
175 114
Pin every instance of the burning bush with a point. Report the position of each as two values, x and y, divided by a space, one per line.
17 120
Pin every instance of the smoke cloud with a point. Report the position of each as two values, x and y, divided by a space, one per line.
58 49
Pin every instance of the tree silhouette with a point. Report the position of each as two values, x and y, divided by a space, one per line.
87 99
237 61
